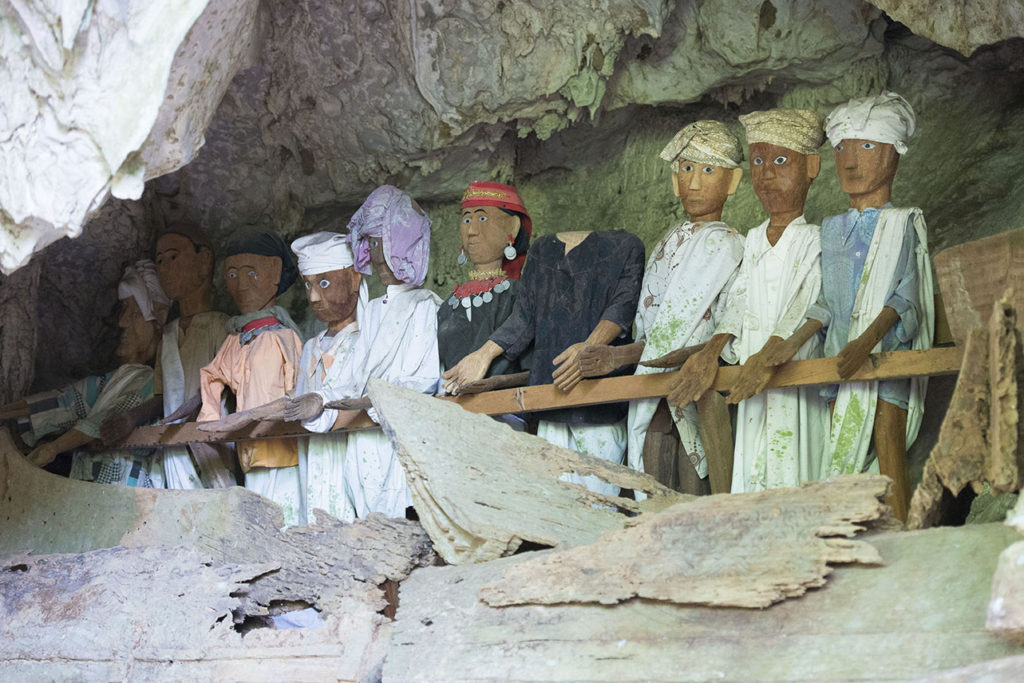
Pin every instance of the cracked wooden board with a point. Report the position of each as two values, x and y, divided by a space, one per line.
742 550
165 613
481 489
920 613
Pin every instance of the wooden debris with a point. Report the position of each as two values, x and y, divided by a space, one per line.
1002 470
743 550
716 433
922 612
980 438
958 457
972 276
481 489
992 671
156 613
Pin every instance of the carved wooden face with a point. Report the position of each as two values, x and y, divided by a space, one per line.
380 264
182 268
333 295
703 188
781 177
865 165
252 280
485 231
137 343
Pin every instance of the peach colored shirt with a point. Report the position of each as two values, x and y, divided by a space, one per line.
262 371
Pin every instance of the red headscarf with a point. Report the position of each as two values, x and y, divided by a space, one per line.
504 197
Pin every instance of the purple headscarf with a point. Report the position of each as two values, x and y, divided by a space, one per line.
404 230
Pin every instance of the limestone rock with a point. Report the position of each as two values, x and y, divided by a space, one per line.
964 26
920 613
84 84
481 489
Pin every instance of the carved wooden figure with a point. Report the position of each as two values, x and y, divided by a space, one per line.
680 301
495 229
258 362
779 433
879 293
578 289
334 291
81 411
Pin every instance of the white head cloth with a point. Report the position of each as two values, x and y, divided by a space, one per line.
704 142
140 282
884 118
795 129
322 252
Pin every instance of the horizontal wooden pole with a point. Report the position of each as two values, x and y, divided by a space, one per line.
892 365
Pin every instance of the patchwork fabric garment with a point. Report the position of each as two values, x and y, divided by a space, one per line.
259 365
780 433
181 357
322 458
84 405
875 258
681 301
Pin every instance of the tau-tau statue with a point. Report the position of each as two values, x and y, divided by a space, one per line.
878 295
496 232
397 339
78 412
683 291
779 433
578 289
258 361
334 291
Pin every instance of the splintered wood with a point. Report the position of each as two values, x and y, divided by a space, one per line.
169 576
922 612
743 550
980 435
481 489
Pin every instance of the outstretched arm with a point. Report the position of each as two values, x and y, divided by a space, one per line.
45 454
760 368
471 368
697 375
569 372
855 353
597 360
116 428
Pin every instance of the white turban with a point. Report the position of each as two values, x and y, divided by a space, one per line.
704 142
322 252
884 118
140 282
795 129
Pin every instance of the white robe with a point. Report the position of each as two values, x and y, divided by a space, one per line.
322 458
680 305
854 415
780 433
397 343
180 378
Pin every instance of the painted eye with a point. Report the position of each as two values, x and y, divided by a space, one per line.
253 274
688 168
467 220
308 286
839 147
325 283
374 243
780 160
232 275
867 145
709 169
483 219
757 161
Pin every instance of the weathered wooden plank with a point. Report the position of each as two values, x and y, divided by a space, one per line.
1006 609
972 276
1004 670
1002 467
922 612
589 392
958 457
742 550
481 488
